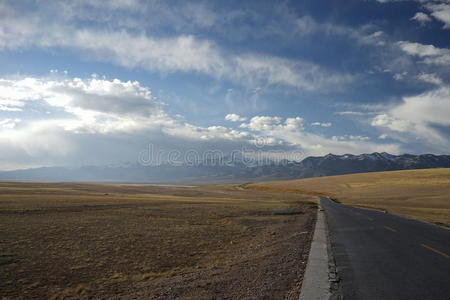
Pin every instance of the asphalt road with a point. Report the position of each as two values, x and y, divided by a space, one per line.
382 256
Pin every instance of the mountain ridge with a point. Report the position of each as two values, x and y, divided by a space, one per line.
237 171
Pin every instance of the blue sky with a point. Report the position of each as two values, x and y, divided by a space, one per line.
94 82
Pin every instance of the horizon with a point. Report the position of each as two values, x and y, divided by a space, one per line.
252 162
88 83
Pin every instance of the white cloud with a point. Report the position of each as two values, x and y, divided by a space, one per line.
326 124
306 25
431 107
96 104
441 12
430 78
421 17
419 49
110 120
267 124
9 123
274 70
376 38
385 120
112 4
417 116
351 137
429 53
9 108
351 113
294 123
400 76
101 106
262 123
313 144
234 118
103 121
181 53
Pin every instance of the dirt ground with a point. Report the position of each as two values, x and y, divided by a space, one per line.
111 241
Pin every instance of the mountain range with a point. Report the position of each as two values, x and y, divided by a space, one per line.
238 171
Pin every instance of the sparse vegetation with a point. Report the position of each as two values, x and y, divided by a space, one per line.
69 240
420 194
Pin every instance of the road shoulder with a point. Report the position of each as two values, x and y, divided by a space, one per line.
316 284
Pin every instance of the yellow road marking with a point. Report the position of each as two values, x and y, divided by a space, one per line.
390 228
435 250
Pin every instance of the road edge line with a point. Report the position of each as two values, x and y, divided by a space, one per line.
316 284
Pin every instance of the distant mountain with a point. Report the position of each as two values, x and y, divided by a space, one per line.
235 171
375 162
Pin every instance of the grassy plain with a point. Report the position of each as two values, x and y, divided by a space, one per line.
419 194
123 241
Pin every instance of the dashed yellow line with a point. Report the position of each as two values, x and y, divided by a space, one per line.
390 228
435 251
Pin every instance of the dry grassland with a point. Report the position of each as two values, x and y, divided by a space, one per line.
419 194
112 241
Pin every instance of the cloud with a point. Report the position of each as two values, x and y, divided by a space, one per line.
441 12
439 9
421 17
313 144
351 138
376 38
97 121
419 118
431 107
430 78
184 53
327 124
294 123
395 124
189 38
400 76
114 4
267 124
429 53
306 25
262 123
95 104
234 118
351 113
131 14
9 123
274 70
100 121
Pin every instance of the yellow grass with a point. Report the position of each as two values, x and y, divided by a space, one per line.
85 240
420 194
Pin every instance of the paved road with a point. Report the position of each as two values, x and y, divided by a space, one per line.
382 256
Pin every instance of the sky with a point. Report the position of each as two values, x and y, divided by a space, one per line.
92 82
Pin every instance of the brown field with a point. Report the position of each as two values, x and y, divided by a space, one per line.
111 241
419 194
